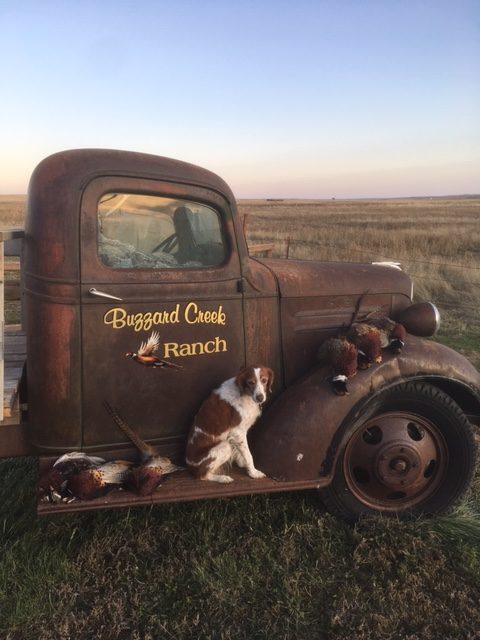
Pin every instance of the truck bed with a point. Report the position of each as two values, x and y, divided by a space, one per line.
14 439
15 354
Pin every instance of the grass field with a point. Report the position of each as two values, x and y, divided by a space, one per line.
12 211
266 567
262 567
437 242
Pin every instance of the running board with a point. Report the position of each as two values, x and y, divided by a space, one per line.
182 487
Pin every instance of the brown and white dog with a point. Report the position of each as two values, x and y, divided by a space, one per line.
219 431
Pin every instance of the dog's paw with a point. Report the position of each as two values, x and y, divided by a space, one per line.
256 473
225 479
219 478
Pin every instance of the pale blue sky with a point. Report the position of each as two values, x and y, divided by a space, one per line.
288 99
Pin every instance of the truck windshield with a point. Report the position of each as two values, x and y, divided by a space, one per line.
138 231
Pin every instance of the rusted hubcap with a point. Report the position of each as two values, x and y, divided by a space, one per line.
397 464
394 461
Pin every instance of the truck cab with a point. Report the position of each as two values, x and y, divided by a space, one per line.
123 248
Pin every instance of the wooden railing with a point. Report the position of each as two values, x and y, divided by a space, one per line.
267 248
5 234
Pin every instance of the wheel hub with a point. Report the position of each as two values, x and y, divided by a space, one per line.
395 460
397 465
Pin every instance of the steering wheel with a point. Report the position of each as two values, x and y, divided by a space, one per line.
167 245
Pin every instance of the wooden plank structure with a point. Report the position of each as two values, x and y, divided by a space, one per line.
12 342
12 286
15 354
13 265
266 247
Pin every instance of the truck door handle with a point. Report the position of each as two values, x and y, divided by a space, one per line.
101 294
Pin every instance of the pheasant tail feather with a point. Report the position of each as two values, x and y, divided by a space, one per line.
145 449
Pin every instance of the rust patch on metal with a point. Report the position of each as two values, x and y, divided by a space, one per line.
307 415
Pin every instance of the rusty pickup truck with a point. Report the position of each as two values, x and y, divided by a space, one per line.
119 246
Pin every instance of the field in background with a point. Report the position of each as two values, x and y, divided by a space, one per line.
268 567
12 211
437 242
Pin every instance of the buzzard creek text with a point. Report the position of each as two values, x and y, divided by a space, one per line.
118 318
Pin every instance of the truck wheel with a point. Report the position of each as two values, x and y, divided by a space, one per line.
411 453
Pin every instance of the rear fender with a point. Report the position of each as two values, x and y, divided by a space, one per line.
299 435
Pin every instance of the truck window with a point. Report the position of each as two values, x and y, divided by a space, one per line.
138 231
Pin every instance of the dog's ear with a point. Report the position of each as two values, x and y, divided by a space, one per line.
241 378
271 378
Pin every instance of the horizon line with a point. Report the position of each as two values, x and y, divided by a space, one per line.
466 196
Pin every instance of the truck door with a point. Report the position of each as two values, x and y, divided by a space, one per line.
161 306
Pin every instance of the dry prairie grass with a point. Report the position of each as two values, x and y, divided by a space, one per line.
437 241
12 211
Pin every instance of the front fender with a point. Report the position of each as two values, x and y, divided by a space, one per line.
292 440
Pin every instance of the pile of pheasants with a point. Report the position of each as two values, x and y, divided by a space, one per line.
78 476
358 347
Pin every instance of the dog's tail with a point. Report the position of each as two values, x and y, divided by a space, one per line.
145 449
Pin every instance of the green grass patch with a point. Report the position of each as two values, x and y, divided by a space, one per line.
262 567
460 341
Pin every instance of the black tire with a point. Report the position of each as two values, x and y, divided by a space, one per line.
411 453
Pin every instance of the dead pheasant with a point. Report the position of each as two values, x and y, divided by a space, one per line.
341 355
52 485
146 477
367 339
145 352
392 334
97 481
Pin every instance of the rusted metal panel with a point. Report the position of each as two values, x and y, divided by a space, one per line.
262 321
197 313
54 373
308 321
262 334
15 440
318 298
293 438
55 193
298 278
61 233
259 279
159 403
